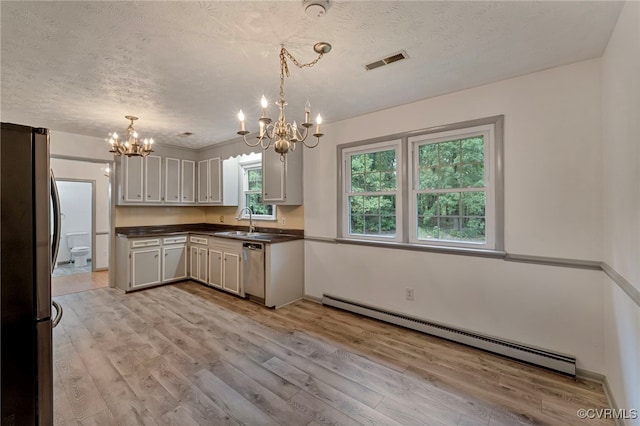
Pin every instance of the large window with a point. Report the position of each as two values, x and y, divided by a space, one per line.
252 193
371 196
449 176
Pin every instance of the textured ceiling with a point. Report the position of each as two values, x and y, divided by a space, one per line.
79 67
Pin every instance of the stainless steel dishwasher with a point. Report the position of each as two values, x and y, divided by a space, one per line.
253 271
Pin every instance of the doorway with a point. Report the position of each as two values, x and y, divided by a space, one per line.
77 242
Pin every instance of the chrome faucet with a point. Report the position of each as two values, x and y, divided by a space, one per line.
251 228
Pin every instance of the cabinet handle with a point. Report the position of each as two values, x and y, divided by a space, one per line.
139 196
176 196
155 255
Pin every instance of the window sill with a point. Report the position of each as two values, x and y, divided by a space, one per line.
464 251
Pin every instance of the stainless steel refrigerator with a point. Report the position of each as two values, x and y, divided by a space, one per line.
29 230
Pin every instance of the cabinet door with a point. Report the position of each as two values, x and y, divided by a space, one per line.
215 268
188 181
145 267
231 275
203 181
152 178
193 263
273 177
215 180
172 180
174 265
202 264
133 179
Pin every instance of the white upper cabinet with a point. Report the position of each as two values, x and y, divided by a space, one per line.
142 181
172 180
132 179
188 181
282 178
218 181
163 180
152 179
203 181
215 181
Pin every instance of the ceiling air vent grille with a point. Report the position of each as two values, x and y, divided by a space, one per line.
388 60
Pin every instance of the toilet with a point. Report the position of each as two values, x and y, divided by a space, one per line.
78 243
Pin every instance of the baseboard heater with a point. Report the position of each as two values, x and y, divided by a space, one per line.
555 361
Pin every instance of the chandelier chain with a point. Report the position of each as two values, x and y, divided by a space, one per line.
284 68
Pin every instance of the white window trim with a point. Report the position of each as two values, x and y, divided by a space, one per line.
406 231
244 167
488 133
346 173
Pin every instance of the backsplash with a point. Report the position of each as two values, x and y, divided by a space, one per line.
154 215
293 217
145 216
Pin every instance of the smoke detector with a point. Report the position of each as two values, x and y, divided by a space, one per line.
315 8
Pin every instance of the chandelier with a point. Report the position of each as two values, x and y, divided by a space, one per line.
131 145
283 135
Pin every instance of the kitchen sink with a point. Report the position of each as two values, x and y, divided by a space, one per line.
243 234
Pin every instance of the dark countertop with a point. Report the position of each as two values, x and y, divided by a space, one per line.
275 235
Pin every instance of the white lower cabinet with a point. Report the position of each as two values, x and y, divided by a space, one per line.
231 272
174 263
145 267
215 268
198 254
146 262
224 265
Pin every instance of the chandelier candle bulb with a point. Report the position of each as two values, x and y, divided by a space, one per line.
307 111
318 122
264 104
241 118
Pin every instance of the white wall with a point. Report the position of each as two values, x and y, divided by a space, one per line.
621 165
73 169
79 146
76 213
553 208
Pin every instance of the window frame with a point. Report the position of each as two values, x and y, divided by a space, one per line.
347 153
415 142
406 237
244 191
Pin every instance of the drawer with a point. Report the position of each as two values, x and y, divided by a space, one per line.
174 240
145 243
199 240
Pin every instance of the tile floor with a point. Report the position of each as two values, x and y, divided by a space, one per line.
70 269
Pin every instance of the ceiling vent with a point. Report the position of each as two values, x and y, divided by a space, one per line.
388 60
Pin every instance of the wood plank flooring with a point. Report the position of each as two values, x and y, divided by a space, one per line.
185 355
67 284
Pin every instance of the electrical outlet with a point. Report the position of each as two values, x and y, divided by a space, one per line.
283 221
221 219
408 293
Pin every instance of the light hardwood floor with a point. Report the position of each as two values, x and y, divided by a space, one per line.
185 355
79 282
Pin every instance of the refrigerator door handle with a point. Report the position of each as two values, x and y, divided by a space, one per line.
57 222
58 317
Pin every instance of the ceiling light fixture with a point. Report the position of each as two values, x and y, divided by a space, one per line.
287 135
131 146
